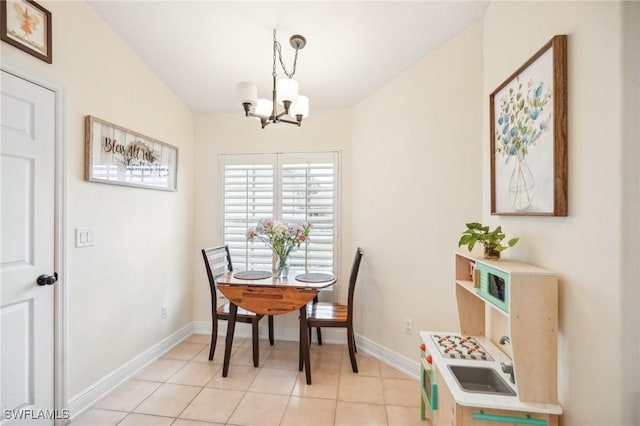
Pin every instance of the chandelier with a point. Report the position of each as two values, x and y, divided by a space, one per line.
285 92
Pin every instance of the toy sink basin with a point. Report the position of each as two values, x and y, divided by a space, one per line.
480 380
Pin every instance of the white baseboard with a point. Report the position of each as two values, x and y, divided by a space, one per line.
84 399
329 335
408 366
87 397
242 329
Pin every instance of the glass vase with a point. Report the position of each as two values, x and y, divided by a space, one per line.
521 184
281 269
491 253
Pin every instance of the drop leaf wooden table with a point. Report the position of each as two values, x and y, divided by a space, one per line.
270 296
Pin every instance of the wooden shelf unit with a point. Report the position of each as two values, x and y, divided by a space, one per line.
532 321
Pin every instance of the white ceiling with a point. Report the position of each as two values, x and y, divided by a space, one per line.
203 48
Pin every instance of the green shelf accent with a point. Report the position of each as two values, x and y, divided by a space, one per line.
484 290
509 419
432 404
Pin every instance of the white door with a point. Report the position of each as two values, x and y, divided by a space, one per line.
27 167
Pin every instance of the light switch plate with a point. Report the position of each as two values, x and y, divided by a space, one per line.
85 237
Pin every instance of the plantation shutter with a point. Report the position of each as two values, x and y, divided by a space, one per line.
308 194
248 191
292 187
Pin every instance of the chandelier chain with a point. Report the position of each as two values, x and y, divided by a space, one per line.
277 47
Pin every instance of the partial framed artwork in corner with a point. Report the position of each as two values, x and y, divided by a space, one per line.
119 156
528 114
27 25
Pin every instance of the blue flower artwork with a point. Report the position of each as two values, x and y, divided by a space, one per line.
526 174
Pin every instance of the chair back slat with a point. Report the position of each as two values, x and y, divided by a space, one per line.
218 266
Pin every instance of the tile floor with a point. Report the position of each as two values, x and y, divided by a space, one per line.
184 388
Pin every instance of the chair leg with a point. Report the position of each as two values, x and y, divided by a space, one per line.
256 347
214 337
271 341
304 344
300 340
352 348
228 343
355 348
310 339
318 333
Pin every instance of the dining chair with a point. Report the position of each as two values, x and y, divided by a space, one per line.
325 314
217 261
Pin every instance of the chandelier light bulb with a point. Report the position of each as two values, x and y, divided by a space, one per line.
247 92
263 107
287 90
300 107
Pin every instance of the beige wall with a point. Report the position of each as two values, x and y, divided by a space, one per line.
585 248
142 257
323 130
432 152
417 170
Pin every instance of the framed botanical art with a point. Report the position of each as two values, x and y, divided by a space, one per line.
26 25
528 114
119 156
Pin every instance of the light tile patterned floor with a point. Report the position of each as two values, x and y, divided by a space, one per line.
184 388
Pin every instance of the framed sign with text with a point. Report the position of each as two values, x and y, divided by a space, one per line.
119 156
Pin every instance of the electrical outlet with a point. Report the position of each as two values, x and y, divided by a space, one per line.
408 326
164 311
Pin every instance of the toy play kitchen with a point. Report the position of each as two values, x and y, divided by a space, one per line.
501 368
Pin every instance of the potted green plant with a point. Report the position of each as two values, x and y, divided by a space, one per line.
491 240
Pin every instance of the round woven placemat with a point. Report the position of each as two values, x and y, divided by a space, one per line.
314 277
252 275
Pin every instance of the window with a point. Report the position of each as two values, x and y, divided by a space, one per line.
293 187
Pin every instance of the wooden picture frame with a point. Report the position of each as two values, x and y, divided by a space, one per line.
27 25
119 156
528 125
